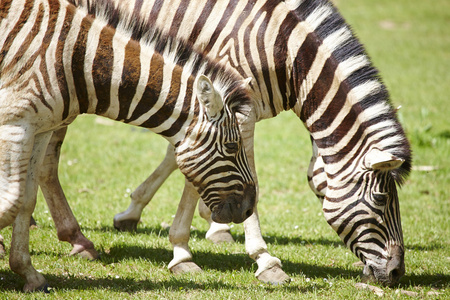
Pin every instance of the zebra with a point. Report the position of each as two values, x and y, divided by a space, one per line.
301 56
131 73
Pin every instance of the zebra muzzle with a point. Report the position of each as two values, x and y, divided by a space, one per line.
391 273
235 208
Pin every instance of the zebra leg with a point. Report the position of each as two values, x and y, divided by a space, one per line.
66 224
128 220
180 231
19 259
217 233
15 151
269 267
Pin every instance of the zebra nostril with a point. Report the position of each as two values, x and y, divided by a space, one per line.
248 212
395 275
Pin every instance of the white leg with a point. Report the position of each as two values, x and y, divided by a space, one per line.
217 232
66 224
180 231
269 267
16 144
129 219
19 259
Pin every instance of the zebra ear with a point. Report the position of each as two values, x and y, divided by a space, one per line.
246 82
208 96
381 160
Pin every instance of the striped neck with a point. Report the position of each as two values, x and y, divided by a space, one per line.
340 97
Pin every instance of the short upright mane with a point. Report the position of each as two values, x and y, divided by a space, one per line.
352 48
179 52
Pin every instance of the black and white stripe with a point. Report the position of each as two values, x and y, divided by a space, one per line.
303 57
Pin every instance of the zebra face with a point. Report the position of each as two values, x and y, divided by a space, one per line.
365 214
213 159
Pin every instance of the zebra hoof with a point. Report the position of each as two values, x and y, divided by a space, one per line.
274 276
126 225
185 267
89 254
33 223
221 237
44 288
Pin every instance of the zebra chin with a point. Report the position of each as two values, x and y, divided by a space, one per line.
234 207
388 274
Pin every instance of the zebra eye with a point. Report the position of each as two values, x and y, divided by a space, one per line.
232 147
380 198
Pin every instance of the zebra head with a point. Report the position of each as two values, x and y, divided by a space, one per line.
212 155
363 208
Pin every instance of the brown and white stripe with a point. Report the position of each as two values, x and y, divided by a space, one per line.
60 59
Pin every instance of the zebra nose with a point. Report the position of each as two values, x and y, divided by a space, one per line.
235 207
395 269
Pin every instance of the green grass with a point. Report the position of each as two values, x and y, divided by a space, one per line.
409 42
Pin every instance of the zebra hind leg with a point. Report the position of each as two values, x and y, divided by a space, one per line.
66 224
128 220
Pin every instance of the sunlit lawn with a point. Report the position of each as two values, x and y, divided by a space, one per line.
101 163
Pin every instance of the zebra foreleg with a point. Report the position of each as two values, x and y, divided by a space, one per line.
269 267
67 227
128 220
180 231
19 259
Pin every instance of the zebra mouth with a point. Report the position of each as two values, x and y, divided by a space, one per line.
236 207
388 276
368 274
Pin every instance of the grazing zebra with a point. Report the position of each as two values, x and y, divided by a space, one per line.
302 57
60 59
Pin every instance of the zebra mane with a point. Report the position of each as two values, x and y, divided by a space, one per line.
331 23
230 85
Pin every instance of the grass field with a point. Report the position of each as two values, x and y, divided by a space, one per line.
409 41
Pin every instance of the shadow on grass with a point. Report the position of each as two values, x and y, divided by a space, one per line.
221 262
429 280
14 283
301 241
11 282
271 239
